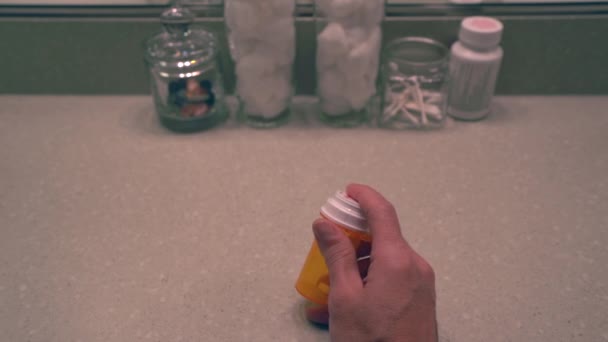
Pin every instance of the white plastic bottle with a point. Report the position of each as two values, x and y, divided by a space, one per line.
474 67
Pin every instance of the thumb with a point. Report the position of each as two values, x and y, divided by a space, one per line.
339 255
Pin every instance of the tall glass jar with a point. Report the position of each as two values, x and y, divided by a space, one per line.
261 35
185 78
349 37
414 84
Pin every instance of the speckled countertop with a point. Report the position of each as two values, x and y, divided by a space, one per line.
113 229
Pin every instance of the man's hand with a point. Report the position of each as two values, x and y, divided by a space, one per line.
396 299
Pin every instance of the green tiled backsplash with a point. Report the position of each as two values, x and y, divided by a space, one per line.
557 54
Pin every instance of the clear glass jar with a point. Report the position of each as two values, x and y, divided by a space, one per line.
414 84
185 78
261 36
349 38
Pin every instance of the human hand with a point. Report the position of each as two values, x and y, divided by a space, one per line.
395 301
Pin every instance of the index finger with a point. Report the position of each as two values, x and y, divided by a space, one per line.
379 213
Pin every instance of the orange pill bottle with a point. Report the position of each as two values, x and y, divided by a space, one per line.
313 281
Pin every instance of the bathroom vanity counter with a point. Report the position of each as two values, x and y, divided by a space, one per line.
114 229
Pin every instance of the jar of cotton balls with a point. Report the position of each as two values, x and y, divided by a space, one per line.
414 84
348 52
261 36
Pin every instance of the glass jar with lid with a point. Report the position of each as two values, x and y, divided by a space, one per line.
414 84
261 37
186 82
349 39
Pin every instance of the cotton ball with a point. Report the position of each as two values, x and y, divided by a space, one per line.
331 84
331 87
282 7
268 11
348 54
254 65
262 85
373 12
251 18
280 41
361 70
356 36
365 56
349 13
262 43
375 43
359 94
362 59
246 87
241 18
266 96
342 10
331 45
249 70
357 13
239 46
352 13
360 86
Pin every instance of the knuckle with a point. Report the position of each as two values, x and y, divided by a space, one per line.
339 253
427 272
386 208
409 265
400 263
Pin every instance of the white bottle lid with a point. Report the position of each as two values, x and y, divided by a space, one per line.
344 211
481 32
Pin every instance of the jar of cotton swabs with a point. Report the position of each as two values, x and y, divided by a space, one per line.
414 81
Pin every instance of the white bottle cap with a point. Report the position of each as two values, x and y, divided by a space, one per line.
344 211
481 32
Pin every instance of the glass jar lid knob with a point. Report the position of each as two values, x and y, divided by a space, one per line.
177 19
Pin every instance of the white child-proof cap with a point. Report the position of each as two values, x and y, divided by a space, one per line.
344 211
481 32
